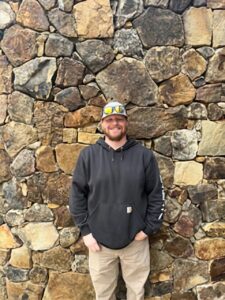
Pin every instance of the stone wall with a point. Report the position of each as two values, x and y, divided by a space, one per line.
59 62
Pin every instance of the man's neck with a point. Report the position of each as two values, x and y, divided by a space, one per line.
115 144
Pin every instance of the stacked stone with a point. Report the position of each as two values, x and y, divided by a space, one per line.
60 62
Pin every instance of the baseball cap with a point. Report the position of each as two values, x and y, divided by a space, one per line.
113 108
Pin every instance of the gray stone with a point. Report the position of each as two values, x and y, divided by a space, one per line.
147 122
163 145
197 111
179 247
80 264
179 6
66 5
19 44
210 93
70 98
184 144
95 54
206 52
160 290
184 296
159 260
38 275
47 4
157 3
35 77
70 73
215 113
35 187
214 168
58 45
13 195
198 82
38 213
189 273
173 210
63 22
163 62
17 136
88 91
128 81
68 236
5 75
23 164
16 275
211 291
215 70
56 258
14 217
127 42
199 3
166 167
20 107
210 210
5 161
202 192
159 27
7 16
127 10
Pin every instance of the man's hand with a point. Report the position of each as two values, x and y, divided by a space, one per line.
140 236
91 243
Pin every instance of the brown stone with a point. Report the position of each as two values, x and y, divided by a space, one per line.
89 20
35 187
214 168
216 229
61 194
45 159
159 260
179 247
16 136
69 135
217 269
32 15
215 113
4 256
188 173
67 155
214 4
211 291
88 91
194 64
183 296
57 45
218 24
202 192
3 105
19 44
210 248
16 290
215 71
98 101
70 73
5 75
189 274
5 161
209 93
155 121
70 98
21 258
63 217
198 26
83 116
166 167
7 240
79 247
173 209
48 119
63 22
128 80
88 138
177 90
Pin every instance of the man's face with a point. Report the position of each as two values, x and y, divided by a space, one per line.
114 127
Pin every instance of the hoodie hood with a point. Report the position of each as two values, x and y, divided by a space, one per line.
129 143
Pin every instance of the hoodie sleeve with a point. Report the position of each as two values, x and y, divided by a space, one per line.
78 196
155 193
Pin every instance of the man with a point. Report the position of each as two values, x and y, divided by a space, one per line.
117 201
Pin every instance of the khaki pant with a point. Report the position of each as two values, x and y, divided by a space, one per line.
135 265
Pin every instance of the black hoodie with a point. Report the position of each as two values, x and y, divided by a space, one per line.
116 193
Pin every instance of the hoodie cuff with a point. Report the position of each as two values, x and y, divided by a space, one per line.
148 231
85 230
